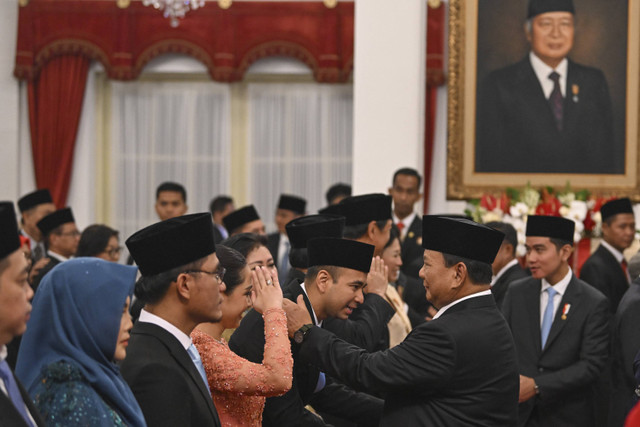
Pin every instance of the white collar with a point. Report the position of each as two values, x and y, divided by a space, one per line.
406 221
448 306
3 352
559 287
313 312
542 71
504 269
184 339
616 253
57 256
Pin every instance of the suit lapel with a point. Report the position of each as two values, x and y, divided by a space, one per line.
571 298
181 357
570 105
533 96
612 263
532 302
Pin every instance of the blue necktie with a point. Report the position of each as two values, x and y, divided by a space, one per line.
195 357
284 262
13 391
547 318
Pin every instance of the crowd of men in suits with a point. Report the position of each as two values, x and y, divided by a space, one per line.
495 341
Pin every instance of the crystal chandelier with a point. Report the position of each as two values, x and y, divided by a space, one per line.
174 9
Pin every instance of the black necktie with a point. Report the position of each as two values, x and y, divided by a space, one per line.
556 100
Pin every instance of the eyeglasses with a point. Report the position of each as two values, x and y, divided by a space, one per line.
218 275
114 251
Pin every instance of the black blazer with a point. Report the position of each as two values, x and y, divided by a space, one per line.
9 415
603 271
412 250
273 241
575 354
289 409
517 131
624 347
217 235
165 381
499 289
457 370
43 271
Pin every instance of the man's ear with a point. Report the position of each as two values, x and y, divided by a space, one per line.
183 286
390 191
565 252
323 281
460 274
372 229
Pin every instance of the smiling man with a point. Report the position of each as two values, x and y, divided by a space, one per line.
546 113
332 288
560 326
458 369
181 286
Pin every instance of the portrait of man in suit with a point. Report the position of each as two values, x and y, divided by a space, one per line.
547 113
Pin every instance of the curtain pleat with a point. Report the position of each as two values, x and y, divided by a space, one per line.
55 103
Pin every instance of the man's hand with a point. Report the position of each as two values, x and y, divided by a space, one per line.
527 388
35 269
297 314
377 278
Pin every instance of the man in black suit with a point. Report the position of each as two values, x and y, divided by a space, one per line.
61 237
560 326
33 207
16 407
332 288
220 207
458 369
289 208
181 286
606 268
506 268
405 192
625 345
547 113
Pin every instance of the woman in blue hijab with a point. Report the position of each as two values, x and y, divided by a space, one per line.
78 329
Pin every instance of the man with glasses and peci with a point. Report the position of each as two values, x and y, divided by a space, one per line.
61 238
181 286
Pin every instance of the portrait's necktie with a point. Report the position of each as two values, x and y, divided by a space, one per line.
195 357
547 318
556 100
13 391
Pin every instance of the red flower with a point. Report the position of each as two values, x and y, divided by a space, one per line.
488 202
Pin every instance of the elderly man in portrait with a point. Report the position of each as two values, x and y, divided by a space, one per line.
546 113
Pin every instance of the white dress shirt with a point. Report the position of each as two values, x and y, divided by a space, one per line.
406 223
503 270
542 71
560 288
448 306
184 339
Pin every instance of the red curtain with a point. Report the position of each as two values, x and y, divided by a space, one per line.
435 77
55 103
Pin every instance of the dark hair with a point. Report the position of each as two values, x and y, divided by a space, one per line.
313 271
174 187
219 203
353 232
393 235
298 258
336 190
94 240
245 243
151 289
510 233
480 273
559 243
409 172
234 263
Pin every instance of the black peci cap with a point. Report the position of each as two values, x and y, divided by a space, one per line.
550 226
362 209
301 230
292 203
172 243
240 217
9 237
340 253
537 7
54 220
460 237
34 199
615 207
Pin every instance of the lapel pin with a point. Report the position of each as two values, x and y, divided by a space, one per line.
575 89
565 311
410 235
